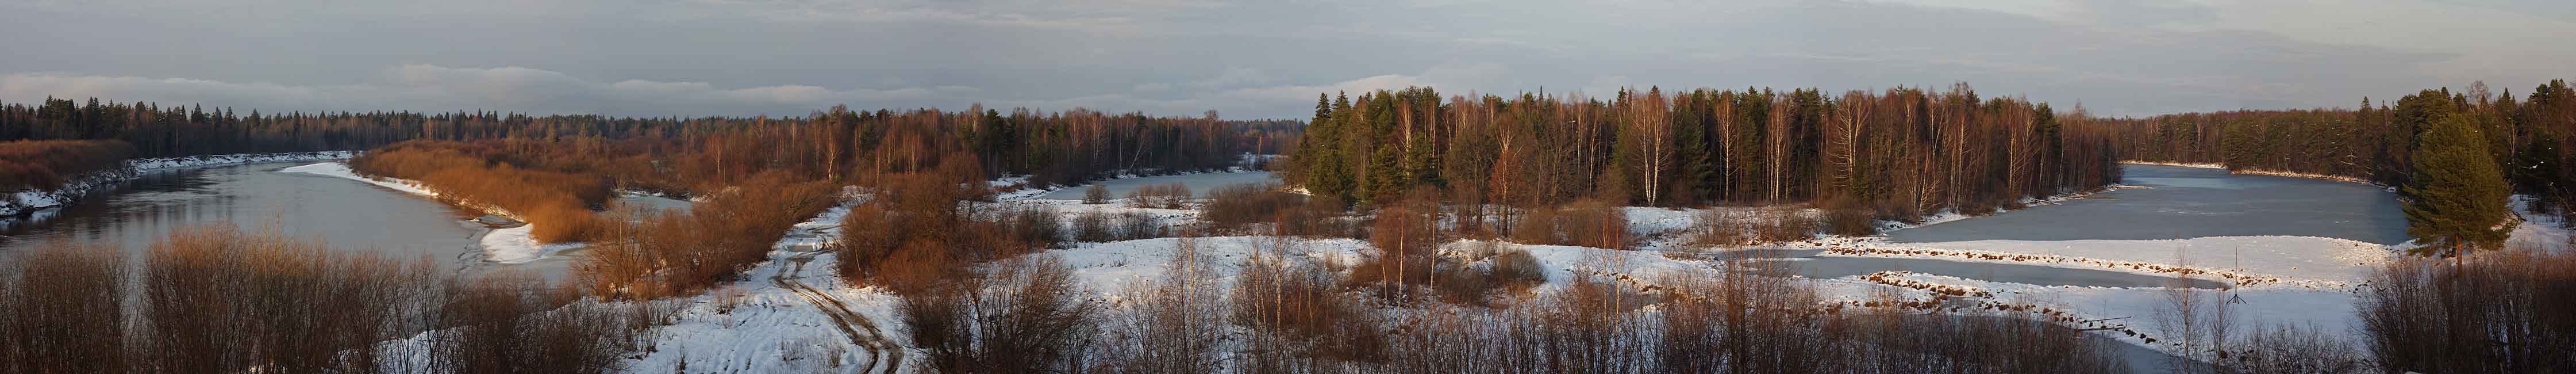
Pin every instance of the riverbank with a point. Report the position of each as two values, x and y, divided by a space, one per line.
2337 178
22 203
512 245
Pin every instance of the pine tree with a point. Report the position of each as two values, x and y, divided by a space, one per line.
2458 197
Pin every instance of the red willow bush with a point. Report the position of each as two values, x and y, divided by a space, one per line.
46 164
654 254
558 203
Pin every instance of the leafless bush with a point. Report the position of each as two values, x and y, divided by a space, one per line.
1233 208
1133 225
515 323
2292 350
1170 326
1587 223
64 315
1780 225
1299 314
1096 194
2503 313
1035 227
1850 222
1023 315
1173 195
1093 226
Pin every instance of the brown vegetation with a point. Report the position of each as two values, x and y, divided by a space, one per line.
1586 223
1237 207
1166 196
218 300
47 164
559 204
646 255
2503 313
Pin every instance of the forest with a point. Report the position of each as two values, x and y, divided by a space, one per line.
838 144
1897 154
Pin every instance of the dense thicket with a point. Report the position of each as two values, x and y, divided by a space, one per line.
2380 143
46 164
1902 152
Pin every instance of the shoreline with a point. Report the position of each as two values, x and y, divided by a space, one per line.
2323 177
21 204
512 245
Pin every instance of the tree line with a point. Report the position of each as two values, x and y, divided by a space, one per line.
1899 153
839 144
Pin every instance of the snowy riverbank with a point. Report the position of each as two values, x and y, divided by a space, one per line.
25 202
511 245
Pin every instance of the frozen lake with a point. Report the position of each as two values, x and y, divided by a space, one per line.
2186 202
1199 184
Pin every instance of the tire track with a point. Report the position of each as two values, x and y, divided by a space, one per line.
880 350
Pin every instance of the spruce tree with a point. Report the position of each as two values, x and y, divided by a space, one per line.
2457 200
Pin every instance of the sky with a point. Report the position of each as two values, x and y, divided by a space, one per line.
1250 59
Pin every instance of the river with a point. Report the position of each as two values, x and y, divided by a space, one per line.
341 213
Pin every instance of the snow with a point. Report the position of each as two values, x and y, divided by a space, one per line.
2547 232
777 321
512 245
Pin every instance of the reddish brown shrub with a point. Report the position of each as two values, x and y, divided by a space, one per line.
46 164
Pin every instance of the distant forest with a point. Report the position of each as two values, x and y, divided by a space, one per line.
1899 154
2377 141
839 144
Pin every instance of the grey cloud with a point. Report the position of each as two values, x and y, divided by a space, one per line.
1247 59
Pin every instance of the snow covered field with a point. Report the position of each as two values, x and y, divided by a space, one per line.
794 314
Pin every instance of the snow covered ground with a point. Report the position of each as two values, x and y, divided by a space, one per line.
794 313
24 202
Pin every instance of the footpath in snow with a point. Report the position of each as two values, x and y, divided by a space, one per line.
25 202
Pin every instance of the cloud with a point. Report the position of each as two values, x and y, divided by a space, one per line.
1250 59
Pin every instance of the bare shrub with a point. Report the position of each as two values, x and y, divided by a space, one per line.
1712 228
2292 350
1023 315
1781 225
1299 313
65 315
1173 195
46 164
1233 208
1170 325
1096 194
1093 226
515 323
2502 313
212 291
1850 222
1134 225
657 254
1588 223
1034 227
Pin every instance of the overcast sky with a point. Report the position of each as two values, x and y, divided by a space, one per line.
1251 59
